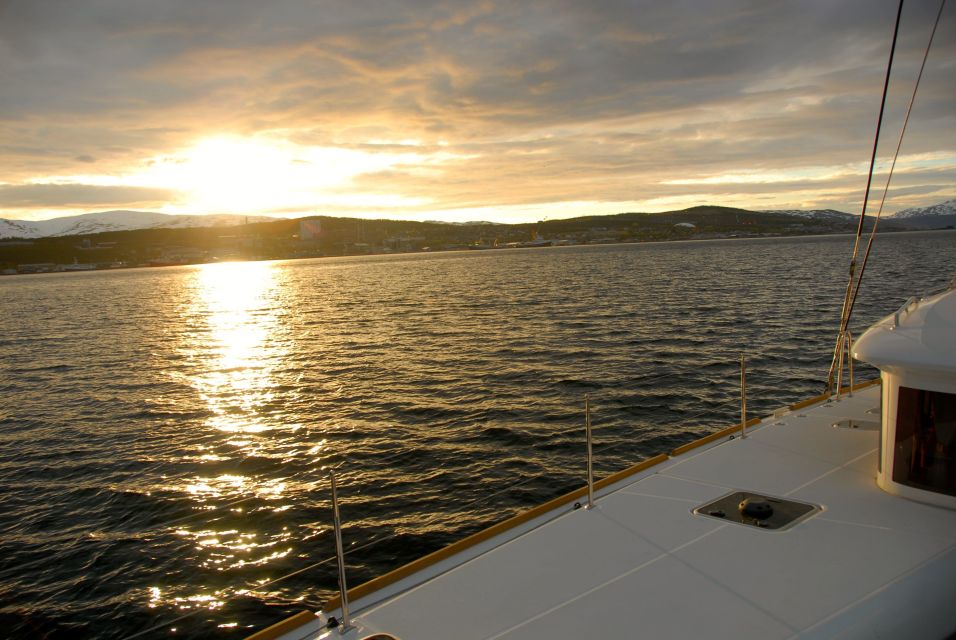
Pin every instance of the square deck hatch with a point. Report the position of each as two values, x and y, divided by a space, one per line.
758 510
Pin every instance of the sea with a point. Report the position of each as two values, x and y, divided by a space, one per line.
168 434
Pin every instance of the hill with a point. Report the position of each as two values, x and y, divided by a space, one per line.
102 242
101 222
937 216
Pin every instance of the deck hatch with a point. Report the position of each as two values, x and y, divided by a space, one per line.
757 510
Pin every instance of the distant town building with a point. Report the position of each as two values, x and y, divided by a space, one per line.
310 229
39 267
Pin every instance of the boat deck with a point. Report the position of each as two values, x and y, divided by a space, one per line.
642 564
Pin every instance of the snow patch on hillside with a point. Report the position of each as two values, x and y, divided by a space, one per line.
947 208
812 214
117 221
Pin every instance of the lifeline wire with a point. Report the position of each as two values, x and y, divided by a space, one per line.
374 540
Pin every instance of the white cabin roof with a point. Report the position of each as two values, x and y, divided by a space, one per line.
921 336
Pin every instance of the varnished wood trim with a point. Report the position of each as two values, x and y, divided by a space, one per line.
868 383
809 401
626 473
284 626
433 558
723 433
826 396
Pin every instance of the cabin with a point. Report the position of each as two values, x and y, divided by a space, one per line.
915 350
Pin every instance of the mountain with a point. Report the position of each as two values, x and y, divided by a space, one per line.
116 221
935 216
814 214
727 219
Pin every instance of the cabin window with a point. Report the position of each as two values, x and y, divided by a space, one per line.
926 440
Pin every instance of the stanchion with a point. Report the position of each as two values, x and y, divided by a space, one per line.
340 555
587 424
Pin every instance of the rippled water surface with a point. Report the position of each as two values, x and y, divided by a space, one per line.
167 433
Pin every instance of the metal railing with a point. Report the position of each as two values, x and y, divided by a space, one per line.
340 555
587 423
344 622
743 396
590 484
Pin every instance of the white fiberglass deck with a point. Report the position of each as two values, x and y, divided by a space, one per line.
642 565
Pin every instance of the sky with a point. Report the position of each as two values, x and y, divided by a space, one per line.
464 111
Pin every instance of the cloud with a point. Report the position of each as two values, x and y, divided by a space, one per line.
80 195
540 101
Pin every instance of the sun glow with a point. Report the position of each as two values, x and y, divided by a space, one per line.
244 175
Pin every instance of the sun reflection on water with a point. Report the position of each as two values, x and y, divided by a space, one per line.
242 314
237 353
237 344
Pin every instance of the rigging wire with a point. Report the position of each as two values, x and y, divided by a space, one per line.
899 144
848 294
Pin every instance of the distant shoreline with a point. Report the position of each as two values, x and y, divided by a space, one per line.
73 268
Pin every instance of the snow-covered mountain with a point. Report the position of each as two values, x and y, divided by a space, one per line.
116 221
947 208
813 214
935 216
931 217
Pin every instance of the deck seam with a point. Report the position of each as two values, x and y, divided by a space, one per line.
662 553
712 485
718 526
660 497
831 471
549 511
901 576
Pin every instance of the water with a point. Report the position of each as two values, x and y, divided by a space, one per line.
167 433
